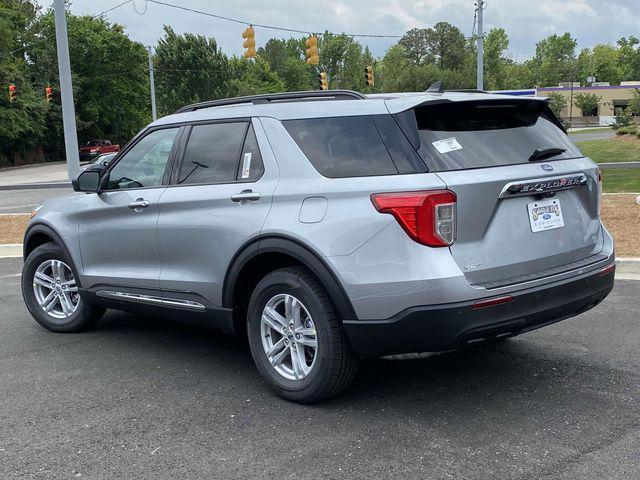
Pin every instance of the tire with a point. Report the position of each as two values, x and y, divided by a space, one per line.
333 365
76 315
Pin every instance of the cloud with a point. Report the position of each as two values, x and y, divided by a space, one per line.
526 22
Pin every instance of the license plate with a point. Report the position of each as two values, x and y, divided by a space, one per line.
545 215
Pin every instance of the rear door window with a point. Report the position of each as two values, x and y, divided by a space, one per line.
351 146
465 135
212 153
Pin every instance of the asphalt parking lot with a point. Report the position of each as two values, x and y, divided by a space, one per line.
141 397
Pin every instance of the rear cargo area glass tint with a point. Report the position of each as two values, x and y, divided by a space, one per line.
465 135
356 146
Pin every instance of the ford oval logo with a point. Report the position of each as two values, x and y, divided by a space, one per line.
546 216
546 167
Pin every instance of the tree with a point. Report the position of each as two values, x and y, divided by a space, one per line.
634 104
629 57
252 77
554 61
190 68
415 44
601 62
587 102
342 58
446 44
495 44
557 103
394 70
110 79
288 60
22 125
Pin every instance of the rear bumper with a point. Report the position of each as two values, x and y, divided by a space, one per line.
454 325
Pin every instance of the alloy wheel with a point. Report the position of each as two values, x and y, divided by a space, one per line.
289 337
55 289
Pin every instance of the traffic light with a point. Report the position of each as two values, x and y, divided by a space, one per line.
12 92
368 75
48 93
322 78
249 43
312 50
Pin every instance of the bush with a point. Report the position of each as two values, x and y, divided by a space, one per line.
623 119
629 130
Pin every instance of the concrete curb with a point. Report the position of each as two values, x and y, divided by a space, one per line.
11 250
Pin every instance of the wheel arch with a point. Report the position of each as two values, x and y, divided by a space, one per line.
270 253
40 233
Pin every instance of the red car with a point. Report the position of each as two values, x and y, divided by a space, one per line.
94 148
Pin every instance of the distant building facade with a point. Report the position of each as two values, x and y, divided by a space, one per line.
613 99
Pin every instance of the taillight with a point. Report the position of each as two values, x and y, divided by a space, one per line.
428 217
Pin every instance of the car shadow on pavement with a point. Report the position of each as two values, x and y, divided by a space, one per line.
522 374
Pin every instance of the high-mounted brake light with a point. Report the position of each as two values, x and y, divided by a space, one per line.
428 217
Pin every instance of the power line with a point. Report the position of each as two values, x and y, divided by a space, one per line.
112 8
261 25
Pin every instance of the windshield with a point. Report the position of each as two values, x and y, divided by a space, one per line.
93 143
464 135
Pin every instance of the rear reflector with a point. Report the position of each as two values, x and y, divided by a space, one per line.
607 270
428 217
492 302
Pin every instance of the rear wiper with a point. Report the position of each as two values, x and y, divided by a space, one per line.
546 153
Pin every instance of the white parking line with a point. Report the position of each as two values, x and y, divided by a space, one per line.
11 276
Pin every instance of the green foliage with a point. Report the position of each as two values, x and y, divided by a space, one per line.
415 45
190 68
629 57
111 86
557 103
555 61
587 102
627 130
252 77
287 60
495 64
602 62
634 103
622 122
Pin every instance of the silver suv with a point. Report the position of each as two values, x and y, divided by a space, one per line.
331 225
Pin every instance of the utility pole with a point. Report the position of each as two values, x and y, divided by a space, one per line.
154 113
66 90
480 47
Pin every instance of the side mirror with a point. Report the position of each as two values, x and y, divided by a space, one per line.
87 181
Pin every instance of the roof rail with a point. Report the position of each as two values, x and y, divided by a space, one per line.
277 97
467 90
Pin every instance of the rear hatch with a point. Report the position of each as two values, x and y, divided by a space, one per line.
527 199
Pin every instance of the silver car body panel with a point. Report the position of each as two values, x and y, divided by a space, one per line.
187 238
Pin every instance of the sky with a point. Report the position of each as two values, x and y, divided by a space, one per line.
525 21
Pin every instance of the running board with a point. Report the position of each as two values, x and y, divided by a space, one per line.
151 299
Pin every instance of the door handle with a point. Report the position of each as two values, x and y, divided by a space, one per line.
245 195
138 204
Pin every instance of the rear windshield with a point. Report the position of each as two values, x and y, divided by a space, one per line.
463 135
357 146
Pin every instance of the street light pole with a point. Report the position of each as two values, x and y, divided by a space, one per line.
154 114
66 90
480 48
